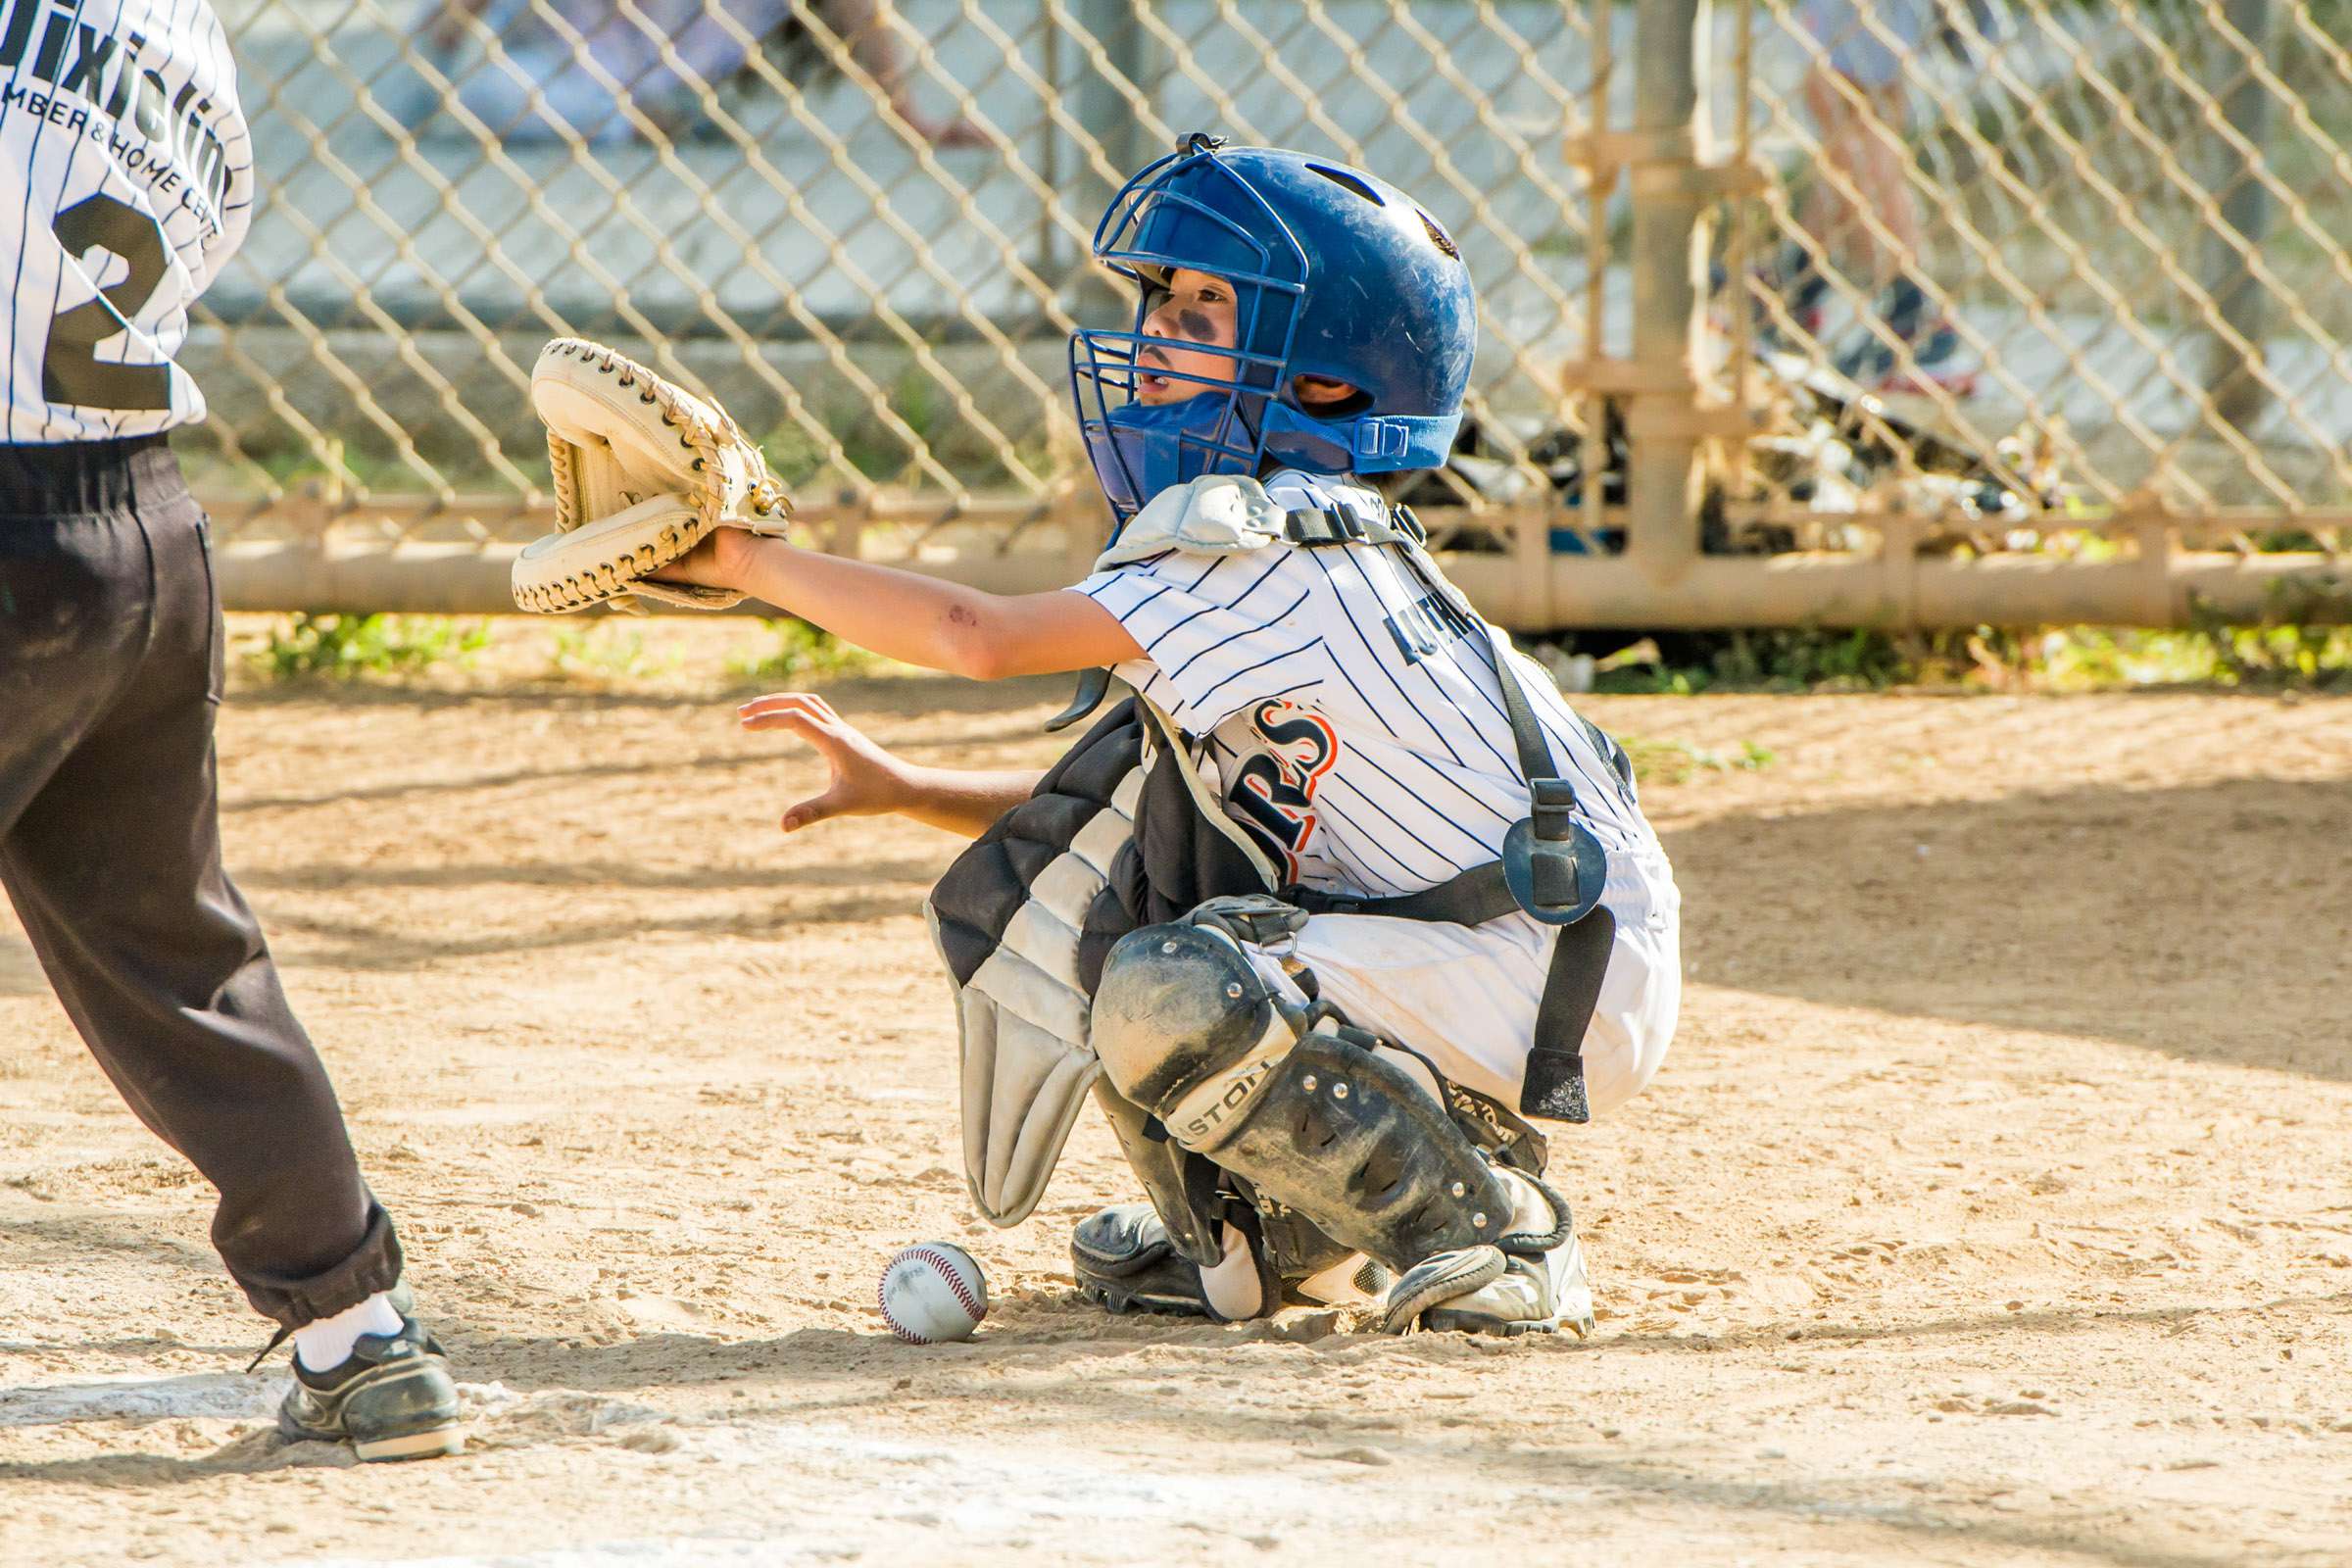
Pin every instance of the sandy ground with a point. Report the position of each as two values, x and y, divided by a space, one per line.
1995 1206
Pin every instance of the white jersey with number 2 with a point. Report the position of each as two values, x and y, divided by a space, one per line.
129 181
1348 714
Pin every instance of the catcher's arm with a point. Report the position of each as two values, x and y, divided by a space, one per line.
658 491
868 781
910 618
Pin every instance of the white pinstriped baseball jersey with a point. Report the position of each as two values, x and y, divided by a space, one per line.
129 183
1353 718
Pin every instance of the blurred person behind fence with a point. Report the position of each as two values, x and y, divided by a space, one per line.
1861 103
574 67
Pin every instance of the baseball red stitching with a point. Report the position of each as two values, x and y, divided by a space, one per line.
954 1278
946 1272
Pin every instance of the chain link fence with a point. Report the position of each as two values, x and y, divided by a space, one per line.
1810 291
2096 255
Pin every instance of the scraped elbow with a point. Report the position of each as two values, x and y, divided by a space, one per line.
971 643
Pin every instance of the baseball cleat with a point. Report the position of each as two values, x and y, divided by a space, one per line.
391 1398
1456 1275
1123 1261
1533 1283
1531 1296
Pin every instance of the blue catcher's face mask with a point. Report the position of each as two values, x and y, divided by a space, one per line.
1140 449
1155 226
1193 211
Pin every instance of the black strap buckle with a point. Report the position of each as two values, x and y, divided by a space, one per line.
1552 804
1323 526
1557 880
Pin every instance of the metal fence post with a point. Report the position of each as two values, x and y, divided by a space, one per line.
2245 208
1667 198
1048 149
1110 118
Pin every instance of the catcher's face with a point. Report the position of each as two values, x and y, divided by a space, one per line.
1199 308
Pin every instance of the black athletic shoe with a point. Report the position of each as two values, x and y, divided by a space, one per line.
1122 1258
1125 1261
391 1398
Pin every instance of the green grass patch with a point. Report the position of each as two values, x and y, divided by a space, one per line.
1986 657
1680 761
798 650
347 647
609 649
2273 657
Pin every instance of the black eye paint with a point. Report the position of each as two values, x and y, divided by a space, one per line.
1195 324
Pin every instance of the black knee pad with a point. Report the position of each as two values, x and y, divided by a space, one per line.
1186 1028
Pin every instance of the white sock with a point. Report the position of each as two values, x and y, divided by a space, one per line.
1231 1287
328 1343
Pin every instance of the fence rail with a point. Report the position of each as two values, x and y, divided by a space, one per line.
1900 312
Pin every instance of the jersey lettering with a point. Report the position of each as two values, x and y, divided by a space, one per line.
1425 626
1272 795
120 126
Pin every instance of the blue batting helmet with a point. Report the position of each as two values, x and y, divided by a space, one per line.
1335 273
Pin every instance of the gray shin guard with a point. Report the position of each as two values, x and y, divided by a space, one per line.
1356 1145
1187 1028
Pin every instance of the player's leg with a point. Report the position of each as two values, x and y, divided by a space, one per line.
1465 1001
1328 1122
1201 1246
115 869
113 862
1467 997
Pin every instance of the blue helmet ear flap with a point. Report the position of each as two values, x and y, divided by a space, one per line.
1365 443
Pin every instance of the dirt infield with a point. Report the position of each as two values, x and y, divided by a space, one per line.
1994 1205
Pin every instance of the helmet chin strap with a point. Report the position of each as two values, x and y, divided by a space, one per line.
1371 443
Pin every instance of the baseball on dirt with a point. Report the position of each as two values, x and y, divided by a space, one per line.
933 1292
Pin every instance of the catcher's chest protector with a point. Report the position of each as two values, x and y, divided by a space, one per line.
1114 838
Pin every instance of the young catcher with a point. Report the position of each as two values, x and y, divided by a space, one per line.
1457 912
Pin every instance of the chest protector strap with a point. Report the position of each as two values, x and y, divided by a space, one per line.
1551 869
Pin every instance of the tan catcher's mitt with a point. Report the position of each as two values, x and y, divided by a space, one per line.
644 471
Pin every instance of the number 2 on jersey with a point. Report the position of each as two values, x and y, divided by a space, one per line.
70 370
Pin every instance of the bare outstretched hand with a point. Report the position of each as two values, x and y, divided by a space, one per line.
865 780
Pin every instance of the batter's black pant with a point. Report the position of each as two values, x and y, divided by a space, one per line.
110 849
